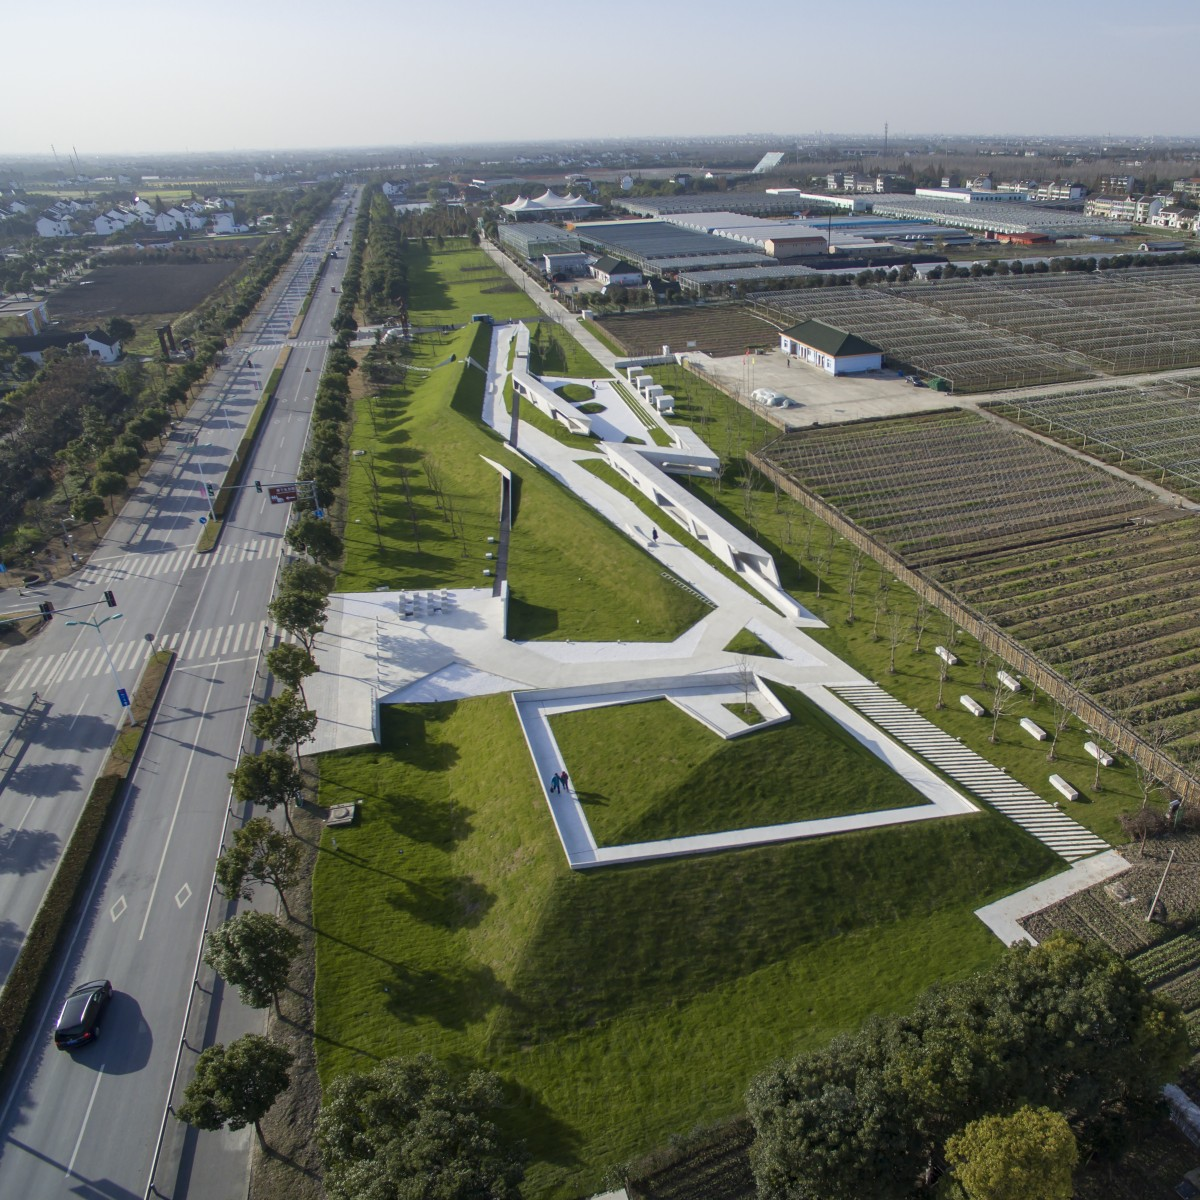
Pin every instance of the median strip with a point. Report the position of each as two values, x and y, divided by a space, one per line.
233 476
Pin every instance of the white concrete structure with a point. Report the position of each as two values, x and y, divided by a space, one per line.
1060 785
972 706
1034 729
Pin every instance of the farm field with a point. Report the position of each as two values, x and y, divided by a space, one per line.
137 290
1152 429
648 771
951 485
719 331
969 354
1136 319
1119 612
448 285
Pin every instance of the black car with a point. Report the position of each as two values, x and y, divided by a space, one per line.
79 1021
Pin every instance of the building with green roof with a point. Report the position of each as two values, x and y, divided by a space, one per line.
830 349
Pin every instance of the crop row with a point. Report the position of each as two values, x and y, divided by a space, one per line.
1167 959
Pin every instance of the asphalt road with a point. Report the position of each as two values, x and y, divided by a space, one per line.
85 1123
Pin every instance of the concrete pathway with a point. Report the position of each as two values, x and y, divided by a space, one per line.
1048 824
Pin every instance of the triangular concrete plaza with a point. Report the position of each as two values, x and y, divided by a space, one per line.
389 647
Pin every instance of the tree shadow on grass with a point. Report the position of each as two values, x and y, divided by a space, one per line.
454 1000
429 822
452 902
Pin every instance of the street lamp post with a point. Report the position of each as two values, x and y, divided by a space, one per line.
122 694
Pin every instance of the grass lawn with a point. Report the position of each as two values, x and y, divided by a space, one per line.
554 351
579 393
571 575
447 286
745 642
621 1005
803 544
648 771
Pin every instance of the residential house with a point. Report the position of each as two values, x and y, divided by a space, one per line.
830 349
223 222
614 271
52 226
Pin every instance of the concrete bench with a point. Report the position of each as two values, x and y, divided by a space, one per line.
1104 759
972 706
1060 785
946 656
1034 729
1013 685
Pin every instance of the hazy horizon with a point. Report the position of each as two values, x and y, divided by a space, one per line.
293 76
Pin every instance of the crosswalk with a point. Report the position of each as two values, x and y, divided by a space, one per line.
90 661
109 571
1049 825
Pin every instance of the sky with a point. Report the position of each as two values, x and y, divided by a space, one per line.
140 77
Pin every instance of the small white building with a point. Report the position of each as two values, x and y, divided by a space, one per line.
223 222
609 271
49 227
829 349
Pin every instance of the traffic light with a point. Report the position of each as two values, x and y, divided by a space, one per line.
258 485
46 609
210 490
110 600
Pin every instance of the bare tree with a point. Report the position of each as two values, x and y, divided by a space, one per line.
943 671
1002 701
1062 715
983 660
895 629
856 566
920 621
821 562
747 682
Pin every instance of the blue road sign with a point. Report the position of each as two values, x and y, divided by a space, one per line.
123 696
202 520
319 514
3 568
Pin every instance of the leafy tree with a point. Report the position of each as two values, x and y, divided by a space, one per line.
270 779
291 665
1029 1155
282 719
406 1129
253 952
260 853
87 506
120 329
1062 1024
303 576
110 484
301 613
120 459
316 536
235 1085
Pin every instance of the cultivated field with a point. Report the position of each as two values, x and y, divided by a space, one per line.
717 331
952 485
1120 612
134 290
1152 429
1140 319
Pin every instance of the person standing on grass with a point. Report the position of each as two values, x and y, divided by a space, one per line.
554 782
566 781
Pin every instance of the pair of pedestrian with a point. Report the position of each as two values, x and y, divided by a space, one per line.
560 781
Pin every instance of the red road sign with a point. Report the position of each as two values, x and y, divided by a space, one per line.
282 493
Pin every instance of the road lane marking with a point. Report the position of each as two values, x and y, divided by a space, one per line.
80 713
183 896
236 594
175 815
86 1115
118 909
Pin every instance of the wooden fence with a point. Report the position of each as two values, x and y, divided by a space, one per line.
1093 715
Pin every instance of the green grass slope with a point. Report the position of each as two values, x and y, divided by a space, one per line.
422 503
448 285
648 771
620 1005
